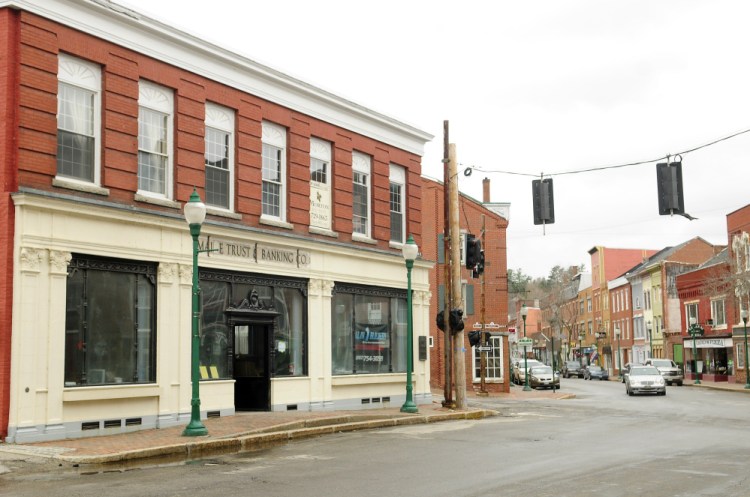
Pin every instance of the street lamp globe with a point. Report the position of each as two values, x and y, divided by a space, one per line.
195 210
410 250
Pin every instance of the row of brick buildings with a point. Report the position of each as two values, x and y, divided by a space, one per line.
639 303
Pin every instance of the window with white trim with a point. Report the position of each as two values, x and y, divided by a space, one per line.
718 312
219 156
494 366
78 119
155 122
274 171
691 311
398 203
361 165
320 184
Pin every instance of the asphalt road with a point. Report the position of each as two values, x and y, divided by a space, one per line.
692 442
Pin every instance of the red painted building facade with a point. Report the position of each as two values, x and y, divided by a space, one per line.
108 121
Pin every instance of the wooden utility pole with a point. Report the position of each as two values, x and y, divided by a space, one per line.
459 353
448 288
485 334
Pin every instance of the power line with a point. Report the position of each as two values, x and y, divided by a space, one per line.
468 169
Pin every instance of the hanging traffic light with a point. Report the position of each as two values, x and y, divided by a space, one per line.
669 188
544 202
474 338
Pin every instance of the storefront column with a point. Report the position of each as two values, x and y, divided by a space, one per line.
421 318
37 370
180 321
319 328
169 348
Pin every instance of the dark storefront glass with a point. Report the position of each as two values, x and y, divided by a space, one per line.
221 290
369 330
109 332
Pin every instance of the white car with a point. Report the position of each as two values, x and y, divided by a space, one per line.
645 379
519 375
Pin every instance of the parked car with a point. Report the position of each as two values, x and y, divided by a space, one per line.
542 376
572 368
645 379
519 375
668 369
593 371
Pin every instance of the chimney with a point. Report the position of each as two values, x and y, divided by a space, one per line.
486 190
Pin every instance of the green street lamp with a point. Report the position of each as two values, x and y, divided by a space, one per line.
650 342
526 387
619 357
195 214
410 252
580 348
696 331
743 314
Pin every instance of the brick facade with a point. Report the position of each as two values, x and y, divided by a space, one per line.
496 276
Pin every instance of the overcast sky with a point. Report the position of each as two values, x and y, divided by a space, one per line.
531 87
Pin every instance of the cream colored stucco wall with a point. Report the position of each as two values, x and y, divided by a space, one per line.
49 230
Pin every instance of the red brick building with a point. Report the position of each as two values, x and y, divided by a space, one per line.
495 281
109 120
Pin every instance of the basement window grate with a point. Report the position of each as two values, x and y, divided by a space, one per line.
376 400
291 407
386 399
133 421
213 414
112 423
365 401
90 425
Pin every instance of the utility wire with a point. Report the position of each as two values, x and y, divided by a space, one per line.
467 171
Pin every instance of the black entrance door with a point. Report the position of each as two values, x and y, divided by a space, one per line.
252 374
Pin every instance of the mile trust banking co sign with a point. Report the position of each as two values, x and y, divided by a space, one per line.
256 252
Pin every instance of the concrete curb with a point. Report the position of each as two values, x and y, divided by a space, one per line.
295 430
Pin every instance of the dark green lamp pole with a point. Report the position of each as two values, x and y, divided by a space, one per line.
619 357
580 347
526 387
650 343
696 331
743 314
195 214
410 252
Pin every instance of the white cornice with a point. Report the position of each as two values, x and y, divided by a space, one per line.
148 36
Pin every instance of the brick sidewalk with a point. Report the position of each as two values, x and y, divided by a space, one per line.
243 431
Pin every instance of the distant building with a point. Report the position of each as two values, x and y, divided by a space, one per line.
496 217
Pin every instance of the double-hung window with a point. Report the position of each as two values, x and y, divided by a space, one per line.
155 121
398 203
78 119
274 171
219 157
361 164
718 313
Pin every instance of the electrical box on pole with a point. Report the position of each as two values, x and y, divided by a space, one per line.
544 202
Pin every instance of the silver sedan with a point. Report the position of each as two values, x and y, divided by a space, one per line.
644 379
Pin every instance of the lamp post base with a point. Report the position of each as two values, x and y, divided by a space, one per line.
195 429
410 407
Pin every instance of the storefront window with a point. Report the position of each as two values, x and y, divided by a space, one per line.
369 330
109 331
219 291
